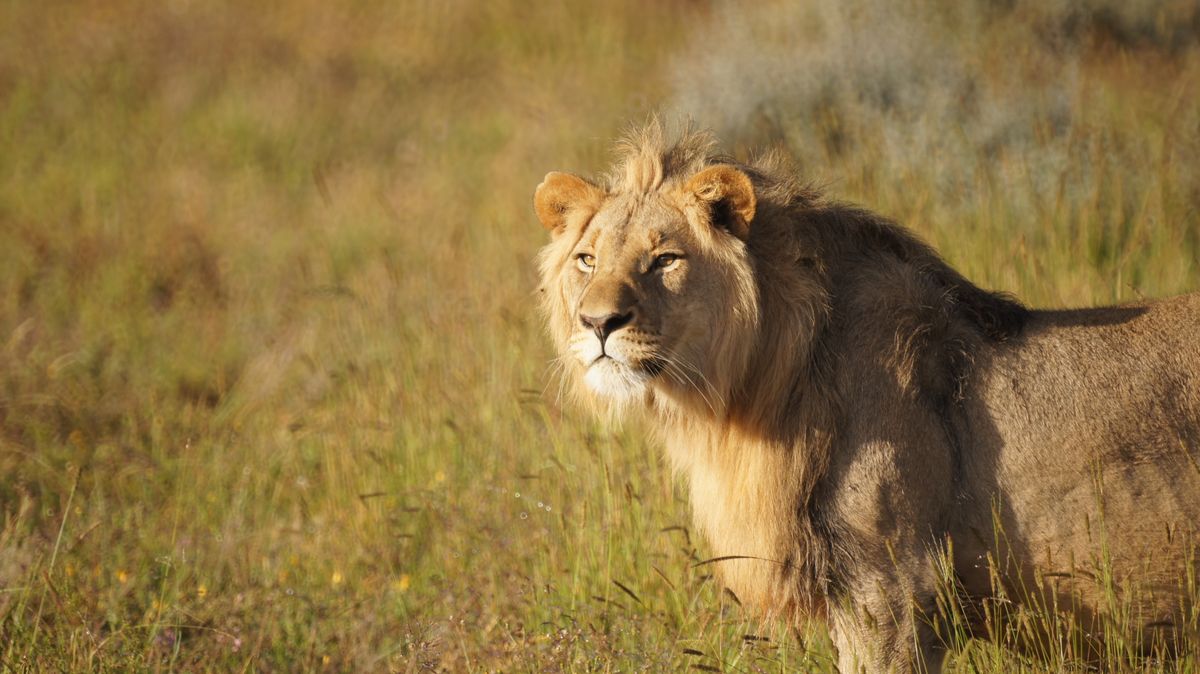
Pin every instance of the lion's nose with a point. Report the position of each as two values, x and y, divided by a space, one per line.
607 324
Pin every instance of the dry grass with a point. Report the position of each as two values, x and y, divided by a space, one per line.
271 393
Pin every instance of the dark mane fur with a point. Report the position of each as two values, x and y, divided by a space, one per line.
847 231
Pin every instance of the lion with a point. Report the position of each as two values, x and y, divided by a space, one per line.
857 422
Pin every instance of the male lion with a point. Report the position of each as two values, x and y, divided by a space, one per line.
851 413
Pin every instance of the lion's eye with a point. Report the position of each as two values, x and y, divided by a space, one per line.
666 262
585 262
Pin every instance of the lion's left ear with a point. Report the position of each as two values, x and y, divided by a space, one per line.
561 194
729 195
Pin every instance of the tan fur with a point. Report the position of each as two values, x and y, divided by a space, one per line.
847 409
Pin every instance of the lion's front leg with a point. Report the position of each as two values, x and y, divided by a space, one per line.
876 634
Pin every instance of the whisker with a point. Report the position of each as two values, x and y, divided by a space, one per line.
681 363
682 377
556 369
675 365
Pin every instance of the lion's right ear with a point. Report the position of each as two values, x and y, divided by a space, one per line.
562 194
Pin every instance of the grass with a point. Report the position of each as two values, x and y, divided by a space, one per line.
272 396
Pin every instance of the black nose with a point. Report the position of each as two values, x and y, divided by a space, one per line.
607 324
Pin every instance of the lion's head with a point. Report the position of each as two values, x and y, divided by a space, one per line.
647 284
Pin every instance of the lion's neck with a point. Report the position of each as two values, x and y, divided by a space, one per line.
754 464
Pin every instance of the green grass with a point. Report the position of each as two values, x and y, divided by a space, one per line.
272 395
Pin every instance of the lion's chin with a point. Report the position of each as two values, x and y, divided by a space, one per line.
615 380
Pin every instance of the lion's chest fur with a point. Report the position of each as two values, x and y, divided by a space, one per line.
738 491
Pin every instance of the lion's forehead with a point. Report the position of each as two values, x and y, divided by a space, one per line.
628 226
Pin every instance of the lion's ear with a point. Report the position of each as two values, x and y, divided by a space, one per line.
729 195
559 195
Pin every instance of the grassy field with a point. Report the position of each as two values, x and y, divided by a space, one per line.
272 395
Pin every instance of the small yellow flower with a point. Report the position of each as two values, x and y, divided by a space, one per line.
337 578
122 577
401 584
324 659
202 591
439 476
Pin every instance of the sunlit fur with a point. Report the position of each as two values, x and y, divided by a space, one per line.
843 404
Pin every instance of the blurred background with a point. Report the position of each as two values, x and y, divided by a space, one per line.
273 396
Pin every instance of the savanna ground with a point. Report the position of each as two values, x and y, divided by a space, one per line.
272 396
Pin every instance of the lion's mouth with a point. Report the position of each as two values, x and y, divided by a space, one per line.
616 379
651 367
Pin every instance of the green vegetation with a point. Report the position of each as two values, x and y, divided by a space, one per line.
272 394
